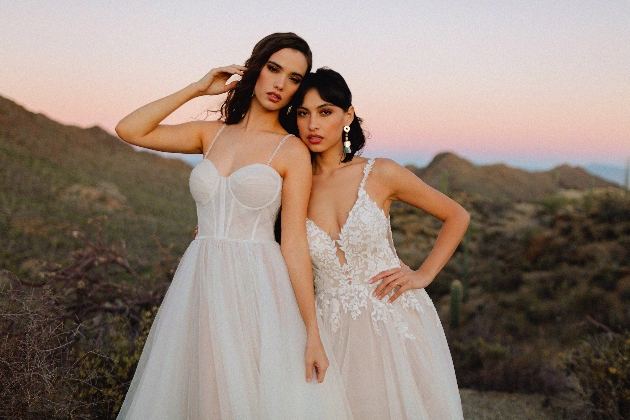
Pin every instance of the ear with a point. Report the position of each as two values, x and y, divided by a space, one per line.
349 116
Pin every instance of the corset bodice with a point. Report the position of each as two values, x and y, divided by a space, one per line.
241 206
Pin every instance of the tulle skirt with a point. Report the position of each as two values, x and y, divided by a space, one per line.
394 368
228 343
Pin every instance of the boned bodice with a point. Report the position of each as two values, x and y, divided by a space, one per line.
241 206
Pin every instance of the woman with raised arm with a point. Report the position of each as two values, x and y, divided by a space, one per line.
236 336
384 330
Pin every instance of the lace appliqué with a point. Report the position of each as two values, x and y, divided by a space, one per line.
344 288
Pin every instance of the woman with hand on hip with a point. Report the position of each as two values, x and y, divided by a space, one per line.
384 331
230 341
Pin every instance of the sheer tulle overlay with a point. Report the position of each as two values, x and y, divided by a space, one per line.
228 341
394 359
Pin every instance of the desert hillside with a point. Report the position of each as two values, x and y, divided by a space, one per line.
544 268
500 182
54 178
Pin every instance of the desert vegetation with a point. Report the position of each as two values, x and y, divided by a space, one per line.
546 310
535 300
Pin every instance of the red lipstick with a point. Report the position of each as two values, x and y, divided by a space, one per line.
274 97
314 138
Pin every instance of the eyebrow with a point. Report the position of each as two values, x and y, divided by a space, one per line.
279 66
319 106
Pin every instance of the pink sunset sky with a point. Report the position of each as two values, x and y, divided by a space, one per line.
530 83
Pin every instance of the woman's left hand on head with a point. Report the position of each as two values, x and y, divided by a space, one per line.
402 279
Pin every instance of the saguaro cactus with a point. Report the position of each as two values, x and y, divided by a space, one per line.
457 295
444 183
466 263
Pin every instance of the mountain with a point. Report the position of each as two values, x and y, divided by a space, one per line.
500 182
541 276
55 178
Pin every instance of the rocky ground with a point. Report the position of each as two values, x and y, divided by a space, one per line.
503 406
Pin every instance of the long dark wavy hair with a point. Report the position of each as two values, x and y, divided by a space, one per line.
237 103
332 88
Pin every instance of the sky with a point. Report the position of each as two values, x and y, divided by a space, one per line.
529 83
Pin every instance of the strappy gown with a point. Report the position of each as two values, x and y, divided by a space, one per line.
394 359
228 340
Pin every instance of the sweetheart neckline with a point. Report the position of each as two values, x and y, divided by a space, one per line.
237 170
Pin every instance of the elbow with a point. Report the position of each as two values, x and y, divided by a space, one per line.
125 134
465 217
120 130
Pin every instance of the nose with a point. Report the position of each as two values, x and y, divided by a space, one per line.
279 83
312 123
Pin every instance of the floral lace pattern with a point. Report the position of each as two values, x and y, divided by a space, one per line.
344 288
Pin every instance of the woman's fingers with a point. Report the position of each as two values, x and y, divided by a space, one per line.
309 371
213 83
387 281
320 369
398 282
383 274
231 85
321 372
399 292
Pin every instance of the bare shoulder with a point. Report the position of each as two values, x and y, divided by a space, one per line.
385 169
293 153
293 144
208 129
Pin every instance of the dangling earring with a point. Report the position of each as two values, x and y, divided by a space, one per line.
289 109
346 142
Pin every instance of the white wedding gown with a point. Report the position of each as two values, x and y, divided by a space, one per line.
228 341
394 359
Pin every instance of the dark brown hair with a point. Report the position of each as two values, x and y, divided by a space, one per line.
332 88
238 100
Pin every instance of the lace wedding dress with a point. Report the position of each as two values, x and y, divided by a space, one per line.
394 359
228 341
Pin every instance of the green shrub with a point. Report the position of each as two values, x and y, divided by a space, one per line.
602 367
107 371
553 203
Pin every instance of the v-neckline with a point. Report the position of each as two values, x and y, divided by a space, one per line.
344 224
368 166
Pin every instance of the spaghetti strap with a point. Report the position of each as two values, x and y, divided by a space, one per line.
216 136
278 147
366 171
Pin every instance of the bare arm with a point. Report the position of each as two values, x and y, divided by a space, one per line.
295 194
142 127
407 187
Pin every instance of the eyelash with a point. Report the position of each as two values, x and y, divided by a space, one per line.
274 69
324 112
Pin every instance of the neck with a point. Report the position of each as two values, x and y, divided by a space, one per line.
328 160
258 118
